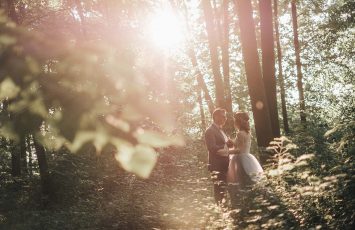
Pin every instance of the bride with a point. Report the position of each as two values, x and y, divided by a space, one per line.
243 167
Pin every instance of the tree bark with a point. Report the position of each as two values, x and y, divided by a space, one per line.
191 53
202 112
229 127
252 68
43 168
29 150
23 153
16 152
280 74
15 159
225 56
212 42
268 63
201 83
298 63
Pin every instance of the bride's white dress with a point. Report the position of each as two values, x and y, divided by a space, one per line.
248 161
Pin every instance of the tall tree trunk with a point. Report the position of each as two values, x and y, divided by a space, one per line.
280 74
221 23
23 153
15 159
298 63
217 19
268 63
229 127
43 168
252 68
201 83
225 56
29 150
15 150
191 53
202 112
212 42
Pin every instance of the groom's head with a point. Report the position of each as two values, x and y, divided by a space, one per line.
219 116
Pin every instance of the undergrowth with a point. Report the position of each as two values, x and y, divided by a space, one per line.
309 184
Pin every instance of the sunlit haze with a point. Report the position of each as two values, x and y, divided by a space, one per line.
165 30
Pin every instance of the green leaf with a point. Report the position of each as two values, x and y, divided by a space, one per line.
139 159
33 65
129 113
7 40
53 142
8 89
330 132
37 107
8 132
304 157
100 140
81 138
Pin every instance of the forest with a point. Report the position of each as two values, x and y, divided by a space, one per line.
104 105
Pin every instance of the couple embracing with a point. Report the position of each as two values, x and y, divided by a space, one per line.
230 161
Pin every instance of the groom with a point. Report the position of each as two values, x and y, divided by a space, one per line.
218 159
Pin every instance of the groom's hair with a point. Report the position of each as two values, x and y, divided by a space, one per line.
217 112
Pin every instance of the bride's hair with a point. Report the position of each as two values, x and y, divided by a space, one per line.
242 120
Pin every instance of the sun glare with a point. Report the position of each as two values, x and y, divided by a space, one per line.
165 30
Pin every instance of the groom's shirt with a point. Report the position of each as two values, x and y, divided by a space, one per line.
215 140
221 130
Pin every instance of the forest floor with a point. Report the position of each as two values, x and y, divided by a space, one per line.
94 193
176 196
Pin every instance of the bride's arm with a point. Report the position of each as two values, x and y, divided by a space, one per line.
238 143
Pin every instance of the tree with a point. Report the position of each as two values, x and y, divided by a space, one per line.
212 42
23 153
302 105
91 88
46 181
254 78
221 17
200 81
29 150
202 112
192 56
15 160
268 63
225 56
225 65
280 74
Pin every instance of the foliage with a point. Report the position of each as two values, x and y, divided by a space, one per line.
77 93
93 192
315 195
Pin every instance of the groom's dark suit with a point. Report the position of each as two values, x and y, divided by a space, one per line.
214 142
217 163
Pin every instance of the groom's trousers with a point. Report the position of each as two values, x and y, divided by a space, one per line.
219 185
